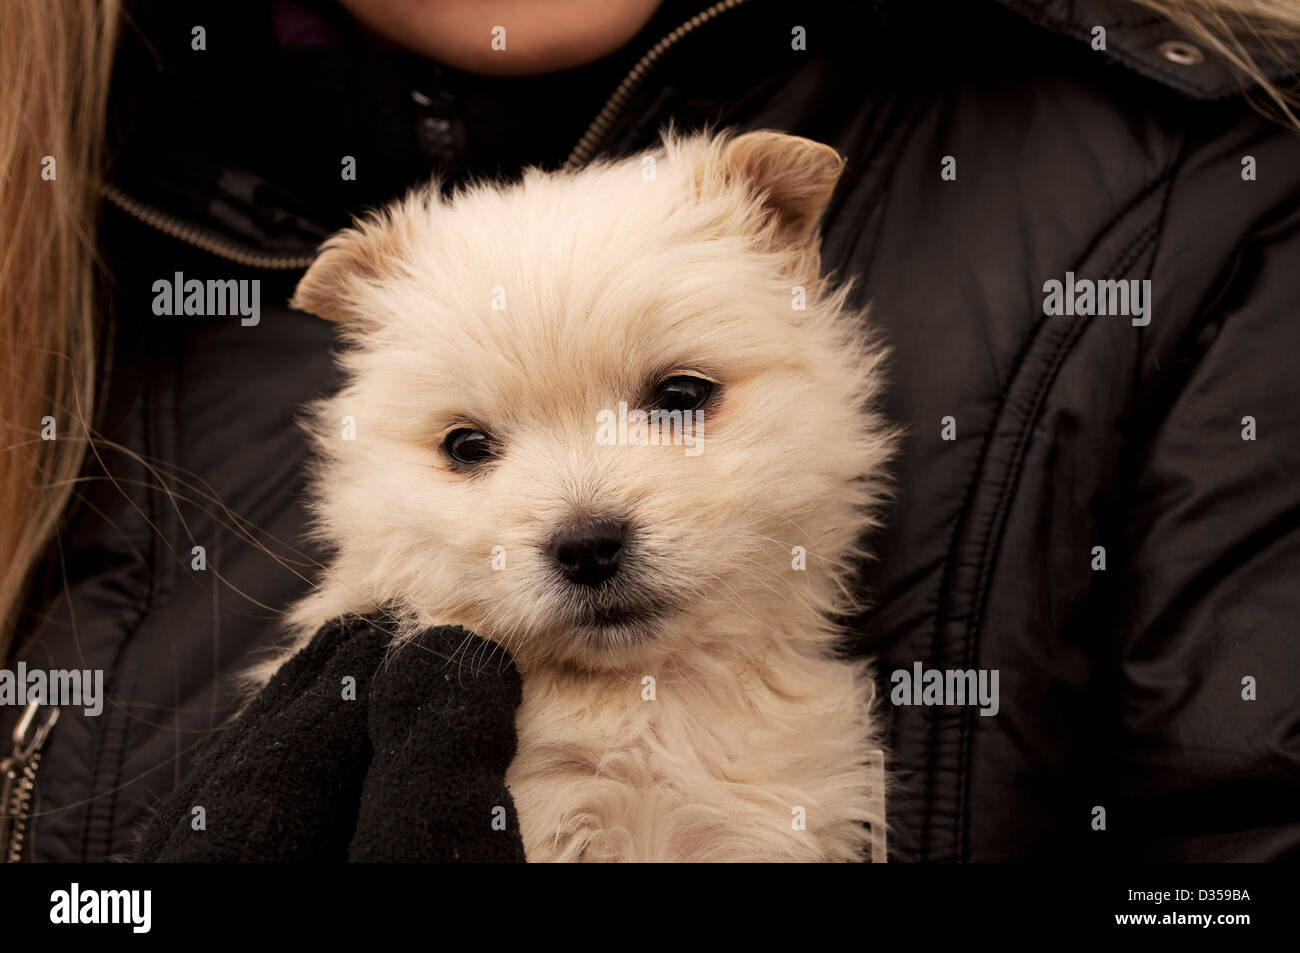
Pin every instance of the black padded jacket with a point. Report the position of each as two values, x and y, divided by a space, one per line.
1105 509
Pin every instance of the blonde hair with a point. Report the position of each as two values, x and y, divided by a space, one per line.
1238 31
55 65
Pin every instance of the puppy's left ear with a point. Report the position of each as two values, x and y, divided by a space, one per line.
796 177
348 265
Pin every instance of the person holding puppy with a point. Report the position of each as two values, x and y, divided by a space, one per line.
1091 495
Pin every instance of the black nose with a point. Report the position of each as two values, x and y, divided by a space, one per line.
588 553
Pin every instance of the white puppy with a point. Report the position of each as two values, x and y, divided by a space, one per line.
492 463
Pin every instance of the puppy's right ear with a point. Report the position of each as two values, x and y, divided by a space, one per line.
348 266
795 177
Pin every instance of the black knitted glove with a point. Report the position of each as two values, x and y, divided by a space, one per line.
285 781
442 725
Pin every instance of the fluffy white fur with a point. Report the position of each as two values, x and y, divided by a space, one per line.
612 281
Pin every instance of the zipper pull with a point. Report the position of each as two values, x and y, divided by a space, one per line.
26 741
18 777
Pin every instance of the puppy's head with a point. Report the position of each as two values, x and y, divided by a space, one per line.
602 415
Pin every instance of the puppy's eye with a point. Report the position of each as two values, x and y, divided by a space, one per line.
682 393
468 446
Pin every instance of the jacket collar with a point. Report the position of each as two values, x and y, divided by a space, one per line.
1137 38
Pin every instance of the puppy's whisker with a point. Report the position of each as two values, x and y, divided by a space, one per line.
811 554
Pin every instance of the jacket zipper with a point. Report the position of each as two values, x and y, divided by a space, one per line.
586 147
581 154
193 235
18 778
